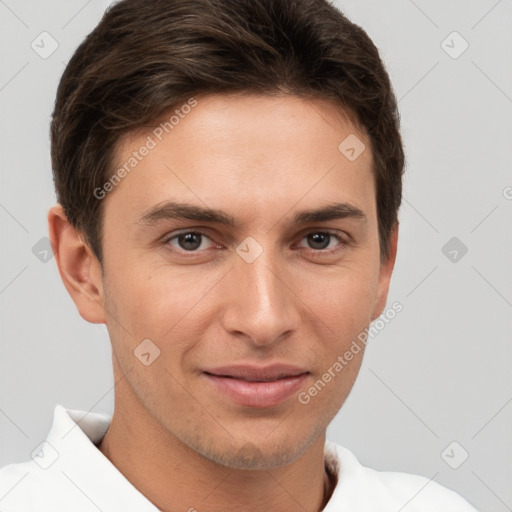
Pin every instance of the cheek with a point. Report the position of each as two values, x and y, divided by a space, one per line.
167 305
340 300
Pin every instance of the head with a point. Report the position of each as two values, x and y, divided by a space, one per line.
228 176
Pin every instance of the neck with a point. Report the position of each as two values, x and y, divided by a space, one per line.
176 478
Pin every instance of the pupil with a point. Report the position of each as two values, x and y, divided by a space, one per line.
190 241
316 238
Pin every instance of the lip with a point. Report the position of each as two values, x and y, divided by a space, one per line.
257 386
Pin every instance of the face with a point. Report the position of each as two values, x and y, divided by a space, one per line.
247 296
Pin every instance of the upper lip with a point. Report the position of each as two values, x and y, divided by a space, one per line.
257 373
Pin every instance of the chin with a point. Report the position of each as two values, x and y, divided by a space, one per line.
261 453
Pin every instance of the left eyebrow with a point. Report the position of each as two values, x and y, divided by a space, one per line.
334 211
176 210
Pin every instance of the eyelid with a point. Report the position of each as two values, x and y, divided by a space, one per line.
334 232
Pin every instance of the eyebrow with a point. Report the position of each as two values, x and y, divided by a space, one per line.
183 211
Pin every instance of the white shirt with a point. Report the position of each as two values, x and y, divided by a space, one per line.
70 474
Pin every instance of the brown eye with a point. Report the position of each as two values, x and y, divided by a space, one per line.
319 240
189 241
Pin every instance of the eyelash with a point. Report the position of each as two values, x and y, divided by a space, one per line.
315 252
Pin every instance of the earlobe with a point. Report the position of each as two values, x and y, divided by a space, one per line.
386 270
79 269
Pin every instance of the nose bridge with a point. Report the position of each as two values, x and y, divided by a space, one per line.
261 304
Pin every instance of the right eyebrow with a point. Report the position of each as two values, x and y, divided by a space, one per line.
175 210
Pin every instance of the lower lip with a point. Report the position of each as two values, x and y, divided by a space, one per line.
257 394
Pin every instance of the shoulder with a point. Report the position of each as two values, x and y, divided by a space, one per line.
20 485
363 488
68 472
46 482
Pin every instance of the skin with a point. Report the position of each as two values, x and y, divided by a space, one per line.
261 159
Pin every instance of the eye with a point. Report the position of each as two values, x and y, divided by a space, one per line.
317 242
321 240
189 241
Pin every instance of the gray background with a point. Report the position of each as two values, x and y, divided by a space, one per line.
438 373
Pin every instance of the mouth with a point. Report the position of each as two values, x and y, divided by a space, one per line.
249 379
258 387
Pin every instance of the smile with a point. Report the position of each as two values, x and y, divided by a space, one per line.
257 387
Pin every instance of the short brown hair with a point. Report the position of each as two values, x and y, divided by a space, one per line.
146 57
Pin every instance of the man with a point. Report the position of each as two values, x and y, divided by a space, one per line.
228 175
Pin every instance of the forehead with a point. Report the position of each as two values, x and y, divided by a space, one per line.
252 153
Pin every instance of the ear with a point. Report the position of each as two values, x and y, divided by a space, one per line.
79 268
386 269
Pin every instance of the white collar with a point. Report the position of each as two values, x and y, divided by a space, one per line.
72 434
71 469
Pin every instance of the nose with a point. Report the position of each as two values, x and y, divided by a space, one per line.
260 303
